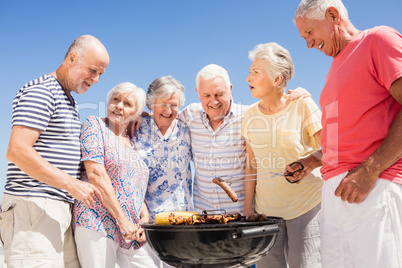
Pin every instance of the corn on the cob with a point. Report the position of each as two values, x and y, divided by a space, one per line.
163 217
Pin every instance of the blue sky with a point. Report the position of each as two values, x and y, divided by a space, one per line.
148 39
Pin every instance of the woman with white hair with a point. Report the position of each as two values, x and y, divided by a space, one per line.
164 143
108 232
278 131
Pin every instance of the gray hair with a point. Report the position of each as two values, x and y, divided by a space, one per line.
212 71
127 87
315 9
278 62
163 88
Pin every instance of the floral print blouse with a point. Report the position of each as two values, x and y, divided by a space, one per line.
168 159
127 172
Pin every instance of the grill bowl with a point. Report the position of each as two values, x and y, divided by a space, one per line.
235 244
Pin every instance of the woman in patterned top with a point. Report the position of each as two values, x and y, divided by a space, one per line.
108 231
164 143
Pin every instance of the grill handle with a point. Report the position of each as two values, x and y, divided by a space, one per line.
259 231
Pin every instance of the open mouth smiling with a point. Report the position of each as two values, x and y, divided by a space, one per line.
118 114
215 107
321 45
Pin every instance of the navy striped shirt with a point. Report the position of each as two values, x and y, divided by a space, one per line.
44 105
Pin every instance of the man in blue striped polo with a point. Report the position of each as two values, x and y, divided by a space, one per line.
44 159
217 146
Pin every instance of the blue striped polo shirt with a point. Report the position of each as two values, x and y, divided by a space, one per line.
216 153
44 105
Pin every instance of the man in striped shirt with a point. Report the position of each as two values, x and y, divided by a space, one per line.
44 162
217 146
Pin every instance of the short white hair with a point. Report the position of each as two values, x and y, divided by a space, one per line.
315 9
127 87
278 62
213 71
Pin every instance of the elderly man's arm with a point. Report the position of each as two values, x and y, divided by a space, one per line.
21 152
358 183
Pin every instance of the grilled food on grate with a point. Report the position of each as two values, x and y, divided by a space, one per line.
179 217
190 218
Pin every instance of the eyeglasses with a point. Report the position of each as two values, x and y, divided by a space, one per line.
166 105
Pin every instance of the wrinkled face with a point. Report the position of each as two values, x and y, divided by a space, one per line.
215 97
259 81
121 108
323 35
165 111
87 71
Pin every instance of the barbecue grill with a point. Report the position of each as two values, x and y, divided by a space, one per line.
235 244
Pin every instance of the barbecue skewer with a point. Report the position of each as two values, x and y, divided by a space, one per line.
240 177
273 174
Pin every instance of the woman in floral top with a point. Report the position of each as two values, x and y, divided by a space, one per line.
164 143
108 232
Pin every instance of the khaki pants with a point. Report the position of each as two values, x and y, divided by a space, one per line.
36 232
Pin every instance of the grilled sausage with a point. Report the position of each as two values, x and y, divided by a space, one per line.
229 191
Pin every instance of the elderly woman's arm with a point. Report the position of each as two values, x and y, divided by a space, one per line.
98 176
249 186
144 217
310 163
144 213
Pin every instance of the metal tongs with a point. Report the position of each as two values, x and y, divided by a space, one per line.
273 174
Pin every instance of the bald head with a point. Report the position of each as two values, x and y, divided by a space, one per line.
85 61
82 44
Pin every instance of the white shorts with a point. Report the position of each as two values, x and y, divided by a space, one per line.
366 235
95 250
36 232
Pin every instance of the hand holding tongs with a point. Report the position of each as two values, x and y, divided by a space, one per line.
273 174
290 174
